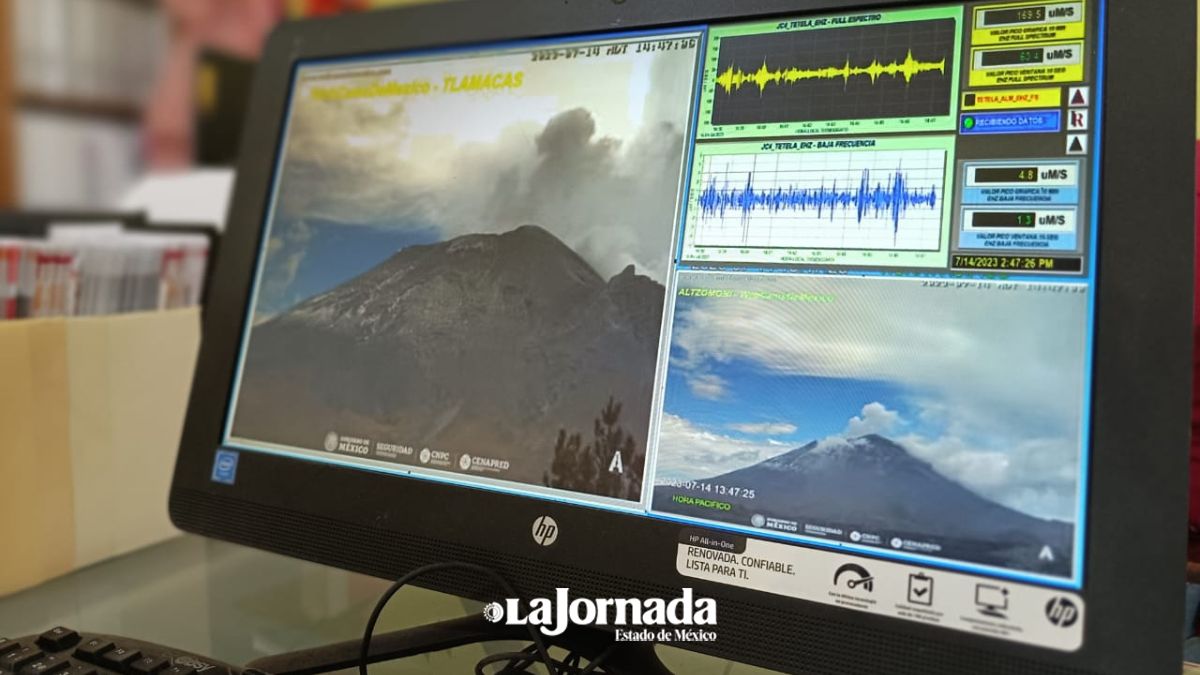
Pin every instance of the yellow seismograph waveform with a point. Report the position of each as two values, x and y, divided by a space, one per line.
734 78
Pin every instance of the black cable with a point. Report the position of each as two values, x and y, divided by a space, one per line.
514 667
600 659
517 663
438 567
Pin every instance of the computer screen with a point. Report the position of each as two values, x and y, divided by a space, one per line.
825 280
818 290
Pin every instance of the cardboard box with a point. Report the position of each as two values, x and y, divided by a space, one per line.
91 412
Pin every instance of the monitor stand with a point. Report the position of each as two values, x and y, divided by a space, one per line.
625 658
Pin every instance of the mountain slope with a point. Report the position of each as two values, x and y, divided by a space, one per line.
873 484
486 344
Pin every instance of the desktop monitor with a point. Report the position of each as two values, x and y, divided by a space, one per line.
869 323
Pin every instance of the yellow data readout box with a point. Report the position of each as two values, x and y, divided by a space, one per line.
1013 99
1022 23
1027 64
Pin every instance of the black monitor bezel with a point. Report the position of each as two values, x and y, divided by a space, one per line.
361 521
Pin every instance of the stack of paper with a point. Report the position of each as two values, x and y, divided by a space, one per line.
90 270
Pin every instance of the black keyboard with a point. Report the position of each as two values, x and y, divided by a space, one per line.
62 651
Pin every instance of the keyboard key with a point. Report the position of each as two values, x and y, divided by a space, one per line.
47 665
58 639
119 658
178 670
92 649
19 658
79 669
149 665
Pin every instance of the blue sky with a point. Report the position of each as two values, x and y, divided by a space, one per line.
307 257
759 405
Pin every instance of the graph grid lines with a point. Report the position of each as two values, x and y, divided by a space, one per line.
734 78
882 200
857 73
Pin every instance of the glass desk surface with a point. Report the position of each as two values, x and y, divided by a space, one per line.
237 604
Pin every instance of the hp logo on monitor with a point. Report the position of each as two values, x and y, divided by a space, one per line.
545 531
1062 612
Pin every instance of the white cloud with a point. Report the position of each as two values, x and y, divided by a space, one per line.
875 419
286 250
707 386
563 152
687 451
986 358
765 428
1034 476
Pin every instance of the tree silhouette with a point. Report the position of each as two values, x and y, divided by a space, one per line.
611 465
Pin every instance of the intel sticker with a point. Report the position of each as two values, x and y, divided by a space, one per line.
225 467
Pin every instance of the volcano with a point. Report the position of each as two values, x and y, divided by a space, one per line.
873 484
486 344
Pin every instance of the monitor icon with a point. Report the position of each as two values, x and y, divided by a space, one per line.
991 600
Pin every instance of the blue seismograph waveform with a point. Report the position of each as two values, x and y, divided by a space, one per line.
891 199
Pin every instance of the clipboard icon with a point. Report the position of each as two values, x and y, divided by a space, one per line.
920 589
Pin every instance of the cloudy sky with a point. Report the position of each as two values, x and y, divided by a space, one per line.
984 384
591 149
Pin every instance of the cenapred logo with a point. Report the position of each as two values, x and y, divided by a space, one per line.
633 619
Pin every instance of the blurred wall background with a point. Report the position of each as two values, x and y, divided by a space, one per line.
94 94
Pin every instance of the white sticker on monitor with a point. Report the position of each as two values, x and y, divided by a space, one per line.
1031 615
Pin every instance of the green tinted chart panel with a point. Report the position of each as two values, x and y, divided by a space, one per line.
882 72
857 202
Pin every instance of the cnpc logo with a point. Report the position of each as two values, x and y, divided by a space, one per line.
553 615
